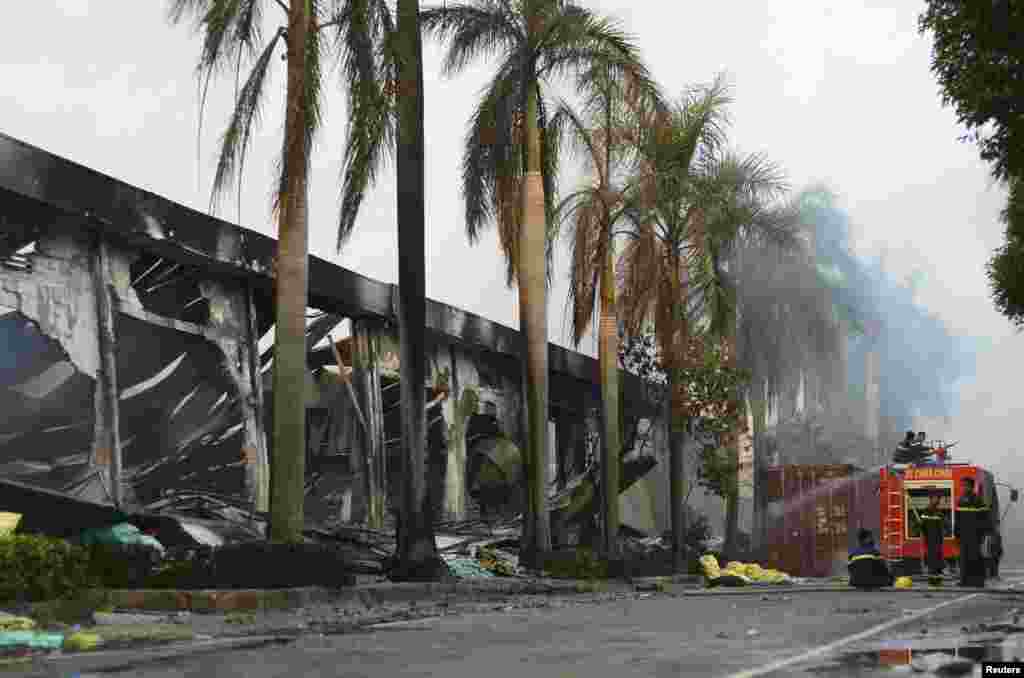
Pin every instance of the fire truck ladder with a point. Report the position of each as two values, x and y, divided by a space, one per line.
892 527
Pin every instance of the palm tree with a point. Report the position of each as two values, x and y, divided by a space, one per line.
741 217
383 70
606 137
690 184
509 165
232 34
379 62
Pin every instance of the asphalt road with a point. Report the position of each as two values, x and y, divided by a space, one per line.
778 634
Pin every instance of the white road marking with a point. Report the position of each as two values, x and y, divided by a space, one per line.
842 642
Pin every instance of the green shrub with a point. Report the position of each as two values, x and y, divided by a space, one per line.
122 566
579 563
34 567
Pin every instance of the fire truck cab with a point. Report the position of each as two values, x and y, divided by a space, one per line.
903 492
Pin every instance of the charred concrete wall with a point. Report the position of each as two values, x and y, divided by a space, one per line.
182 361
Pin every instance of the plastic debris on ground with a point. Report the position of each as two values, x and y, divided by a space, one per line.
11 622
497 561
740 574
8 523
35 640
81 641
122 533
466 568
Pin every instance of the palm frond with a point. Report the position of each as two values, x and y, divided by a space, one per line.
369 71
244 119
641 269
472 31
492 163
550 152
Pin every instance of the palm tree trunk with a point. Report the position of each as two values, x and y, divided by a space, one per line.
608 359
417 557
732 442
533 321
672 332
289 453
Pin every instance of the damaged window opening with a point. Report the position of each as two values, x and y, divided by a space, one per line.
169 290
47 429
181 415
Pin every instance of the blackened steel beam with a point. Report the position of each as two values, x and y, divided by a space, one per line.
158 226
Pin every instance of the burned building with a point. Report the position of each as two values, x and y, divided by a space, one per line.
131 370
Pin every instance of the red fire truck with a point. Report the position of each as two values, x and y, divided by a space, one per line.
903 492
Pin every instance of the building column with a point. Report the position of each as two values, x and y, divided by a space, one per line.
107 438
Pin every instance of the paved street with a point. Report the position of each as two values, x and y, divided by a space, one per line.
656 636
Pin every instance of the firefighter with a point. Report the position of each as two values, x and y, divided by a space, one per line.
972 524
995 553
867 568
933 529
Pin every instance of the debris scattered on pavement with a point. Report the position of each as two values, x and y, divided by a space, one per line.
942 664
464 568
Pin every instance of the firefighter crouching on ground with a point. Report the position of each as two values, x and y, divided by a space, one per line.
972 524
867 568
933 528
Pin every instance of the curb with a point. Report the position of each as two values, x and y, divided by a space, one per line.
370 595
375 595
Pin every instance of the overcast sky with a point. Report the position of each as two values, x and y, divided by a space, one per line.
834 91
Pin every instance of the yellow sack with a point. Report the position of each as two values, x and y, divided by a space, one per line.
12 623
8 523
81 641
710 566
903 583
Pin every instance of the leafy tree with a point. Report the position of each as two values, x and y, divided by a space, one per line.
712 409
977 58
979 63
1006 267
510 161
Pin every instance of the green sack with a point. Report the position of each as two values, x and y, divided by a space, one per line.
33 639
122 533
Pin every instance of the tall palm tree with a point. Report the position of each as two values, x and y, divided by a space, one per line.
508 169
743 215
606 136
380 61
232 35
382 66
690 183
